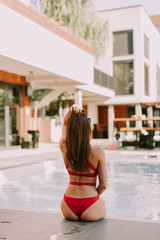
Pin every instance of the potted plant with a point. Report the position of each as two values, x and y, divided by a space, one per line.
15 139
34 137
27 141
117 135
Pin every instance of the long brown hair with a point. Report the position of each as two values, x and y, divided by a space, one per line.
78 132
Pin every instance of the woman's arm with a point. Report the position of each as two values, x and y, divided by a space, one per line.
62 142
102 170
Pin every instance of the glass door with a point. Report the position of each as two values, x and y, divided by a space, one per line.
2 115
14 115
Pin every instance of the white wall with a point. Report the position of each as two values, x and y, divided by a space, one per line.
26 41
104 63
154 51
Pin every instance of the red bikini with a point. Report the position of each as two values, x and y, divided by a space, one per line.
79 205
94 174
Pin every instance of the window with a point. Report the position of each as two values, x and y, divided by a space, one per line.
123 77
10 122
146 80
146 46
123 43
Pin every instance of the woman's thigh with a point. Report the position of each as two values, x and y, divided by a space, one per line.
67 213
95 212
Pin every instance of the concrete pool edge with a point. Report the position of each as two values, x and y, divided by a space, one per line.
48 225
59 212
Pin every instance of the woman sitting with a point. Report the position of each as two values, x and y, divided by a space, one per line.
84 163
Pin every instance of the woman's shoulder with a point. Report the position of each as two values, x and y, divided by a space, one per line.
97 149
98 152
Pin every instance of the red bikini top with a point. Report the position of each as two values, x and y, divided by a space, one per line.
94 174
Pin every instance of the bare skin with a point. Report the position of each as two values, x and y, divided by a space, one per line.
97 210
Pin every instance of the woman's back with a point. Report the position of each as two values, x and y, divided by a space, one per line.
84 163
83 184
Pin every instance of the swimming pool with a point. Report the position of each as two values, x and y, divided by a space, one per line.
133 186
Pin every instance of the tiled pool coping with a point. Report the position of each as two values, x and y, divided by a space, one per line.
37 225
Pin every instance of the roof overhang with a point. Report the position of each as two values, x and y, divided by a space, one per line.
95 92
38 78
33 45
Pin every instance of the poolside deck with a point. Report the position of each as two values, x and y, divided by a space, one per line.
36 225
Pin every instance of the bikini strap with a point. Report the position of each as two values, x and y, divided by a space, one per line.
90 166
83 174
67 164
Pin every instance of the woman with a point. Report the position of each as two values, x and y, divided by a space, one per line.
83 162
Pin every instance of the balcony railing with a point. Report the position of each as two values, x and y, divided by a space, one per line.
103 79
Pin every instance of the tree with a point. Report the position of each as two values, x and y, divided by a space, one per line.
79 17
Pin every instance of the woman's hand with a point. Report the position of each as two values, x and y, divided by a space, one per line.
76 108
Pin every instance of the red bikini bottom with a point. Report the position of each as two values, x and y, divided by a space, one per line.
79 205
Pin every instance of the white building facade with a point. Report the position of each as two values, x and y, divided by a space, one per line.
36 51
132 58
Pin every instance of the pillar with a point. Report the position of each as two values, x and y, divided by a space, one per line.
66 109
60 113
43 112
138 111
150 115
93 112
111 122
78 98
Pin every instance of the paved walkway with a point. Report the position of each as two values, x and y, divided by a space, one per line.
48 151
36 225
20 156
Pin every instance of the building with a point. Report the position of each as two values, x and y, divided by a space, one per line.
36 52
132 59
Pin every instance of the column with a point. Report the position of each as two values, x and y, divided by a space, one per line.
111 122
138 111
60 113
43 112
78 98
93 112
150 115
65 109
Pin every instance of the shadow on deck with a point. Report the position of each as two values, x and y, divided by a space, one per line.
36 225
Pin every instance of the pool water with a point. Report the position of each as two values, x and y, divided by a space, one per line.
133 186
134 190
